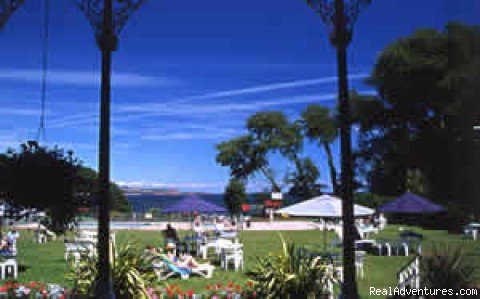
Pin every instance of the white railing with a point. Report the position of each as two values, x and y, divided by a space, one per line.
409 276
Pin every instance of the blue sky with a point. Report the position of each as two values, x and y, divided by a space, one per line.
186 76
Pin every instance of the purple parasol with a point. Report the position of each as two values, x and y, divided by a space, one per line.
194 203
410 203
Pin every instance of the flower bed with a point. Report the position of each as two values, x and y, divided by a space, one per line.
36 290
213 291
11 289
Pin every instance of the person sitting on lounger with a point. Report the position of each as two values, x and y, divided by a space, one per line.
184 261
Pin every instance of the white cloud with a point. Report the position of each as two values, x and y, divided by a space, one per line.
178 109
145 107
84 78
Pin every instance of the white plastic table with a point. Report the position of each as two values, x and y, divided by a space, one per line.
216 244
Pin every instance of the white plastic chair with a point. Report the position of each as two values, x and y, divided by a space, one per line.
9 267
233 253
385 244
359 261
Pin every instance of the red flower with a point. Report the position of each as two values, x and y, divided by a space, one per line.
254 294
219 285
33 284
238 288
190 293
3 289
250 284
170 293
230 284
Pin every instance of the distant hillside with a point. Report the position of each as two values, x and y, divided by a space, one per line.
151 191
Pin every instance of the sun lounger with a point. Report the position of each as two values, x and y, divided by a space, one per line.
170 269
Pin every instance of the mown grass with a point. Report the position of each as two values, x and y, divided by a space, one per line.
44 262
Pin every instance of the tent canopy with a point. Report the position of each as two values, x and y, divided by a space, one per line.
194 203
410 203
326 206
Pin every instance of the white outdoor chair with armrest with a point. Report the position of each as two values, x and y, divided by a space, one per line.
40 237
232 253
402 244
359 261
380 244
9 267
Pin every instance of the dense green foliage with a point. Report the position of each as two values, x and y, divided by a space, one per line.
42 178
319 125
118 198
234 197
416 132
371 200
446 266
304 180
132 273
293 273
270 133
50 179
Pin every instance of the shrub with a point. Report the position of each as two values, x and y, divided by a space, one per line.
132 273
445 267
294 273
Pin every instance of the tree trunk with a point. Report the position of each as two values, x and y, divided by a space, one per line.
271 179
331 166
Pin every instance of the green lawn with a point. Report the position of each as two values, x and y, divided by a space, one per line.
44 262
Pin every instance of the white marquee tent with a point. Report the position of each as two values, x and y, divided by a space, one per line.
324 206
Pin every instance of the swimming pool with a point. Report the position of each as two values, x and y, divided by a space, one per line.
116 225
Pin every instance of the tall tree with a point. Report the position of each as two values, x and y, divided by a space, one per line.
304 180
426 89
245 158
320 126
42 178
234 197
274 131
269 132
88 185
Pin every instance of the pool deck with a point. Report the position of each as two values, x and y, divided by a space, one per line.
156 226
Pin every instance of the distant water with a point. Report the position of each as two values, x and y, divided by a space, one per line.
142 203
